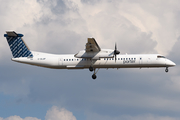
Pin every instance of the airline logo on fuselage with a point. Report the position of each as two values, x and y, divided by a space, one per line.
129 60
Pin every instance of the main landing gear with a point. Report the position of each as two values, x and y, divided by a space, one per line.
91 68
94 74
166 70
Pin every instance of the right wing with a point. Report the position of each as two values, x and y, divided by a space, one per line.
92 46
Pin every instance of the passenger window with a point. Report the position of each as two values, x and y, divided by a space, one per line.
126 58
112 58
69 59
72 59
66 59
118 58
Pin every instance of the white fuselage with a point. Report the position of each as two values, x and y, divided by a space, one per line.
68 61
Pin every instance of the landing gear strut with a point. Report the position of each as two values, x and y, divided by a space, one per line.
166 70
91 68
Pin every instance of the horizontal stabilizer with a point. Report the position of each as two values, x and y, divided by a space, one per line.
12 34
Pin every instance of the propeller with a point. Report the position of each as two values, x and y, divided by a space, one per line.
116 52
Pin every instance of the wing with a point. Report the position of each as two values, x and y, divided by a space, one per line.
92 46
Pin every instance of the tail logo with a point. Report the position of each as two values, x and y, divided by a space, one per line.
17 45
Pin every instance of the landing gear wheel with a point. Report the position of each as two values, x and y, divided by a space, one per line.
94 76
91 68
166 70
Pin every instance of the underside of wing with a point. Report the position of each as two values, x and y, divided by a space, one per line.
92 46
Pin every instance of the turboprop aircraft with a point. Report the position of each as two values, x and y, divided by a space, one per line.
92 58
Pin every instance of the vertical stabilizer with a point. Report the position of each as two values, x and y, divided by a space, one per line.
17 45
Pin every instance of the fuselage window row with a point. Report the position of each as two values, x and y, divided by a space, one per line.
120 59
104 59
75 59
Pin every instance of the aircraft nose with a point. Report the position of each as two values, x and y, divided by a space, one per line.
170 63
174 64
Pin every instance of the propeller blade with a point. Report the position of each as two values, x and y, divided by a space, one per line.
116 51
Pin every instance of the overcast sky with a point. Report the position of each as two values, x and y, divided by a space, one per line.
62 27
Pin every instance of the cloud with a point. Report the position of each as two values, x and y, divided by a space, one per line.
53 113
108 95
56 113
19 118
128 117
109 21
59 114
22 16
138 29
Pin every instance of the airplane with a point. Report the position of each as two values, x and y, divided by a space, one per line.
92 58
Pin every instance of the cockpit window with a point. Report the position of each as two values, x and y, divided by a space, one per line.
159 56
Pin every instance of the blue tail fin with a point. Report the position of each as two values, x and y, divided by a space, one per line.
17 45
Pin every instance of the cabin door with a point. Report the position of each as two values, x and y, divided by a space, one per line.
60 61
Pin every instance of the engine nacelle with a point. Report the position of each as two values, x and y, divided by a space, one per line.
104 53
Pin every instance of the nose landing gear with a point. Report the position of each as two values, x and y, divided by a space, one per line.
166 70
